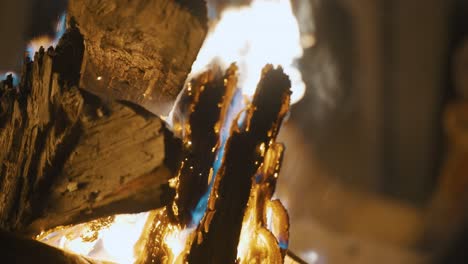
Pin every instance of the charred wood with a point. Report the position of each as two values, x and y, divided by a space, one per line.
240 164
216 243
209 96
199 120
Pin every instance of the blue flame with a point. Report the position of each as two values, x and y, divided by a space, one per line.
59 31
234 108
30 50
61 27
283 244
16 80
259 178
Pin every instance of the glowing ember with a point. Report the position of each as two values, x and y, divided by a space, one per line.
266 32
47 41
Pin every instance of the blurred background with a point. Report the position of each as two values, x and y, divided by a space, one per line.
376 166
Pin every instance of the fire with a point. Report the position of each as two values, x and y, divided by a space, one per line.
111 239
265 32
41 41
4 76
46 41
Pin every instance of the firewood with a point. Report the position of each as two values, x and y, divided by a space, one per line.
241 180
68 156
244 156
140 50
209 102
199 118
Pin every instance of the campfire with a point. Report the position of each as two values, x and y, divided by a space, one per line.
108 180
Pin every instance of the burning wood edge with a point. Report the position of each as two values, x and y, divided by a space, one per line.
233 219
69 157
207 185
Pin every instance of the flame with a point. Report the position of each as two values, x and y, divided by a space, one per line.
46 41
109 239
252 36
176 239
4 75
266 32
265 226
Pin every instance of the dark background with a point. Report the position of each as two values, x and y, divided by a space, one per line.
21 21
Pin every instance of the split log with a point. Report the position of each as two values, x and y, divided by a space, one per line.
141 51
209 96
67 156
246 151
235 165
199 120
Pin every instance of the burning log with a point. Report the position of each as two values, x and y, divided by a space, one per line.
209 98
67 156
204 104
234 219
140 50
251 158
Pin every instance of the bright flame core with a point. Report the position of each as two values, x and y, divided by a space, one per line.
266 32
111 239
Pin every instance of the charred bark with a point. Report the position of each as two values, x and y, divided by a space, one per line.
227 173
219 232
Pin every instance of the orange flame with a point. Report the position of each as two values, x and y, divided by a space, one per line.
265 32
253 36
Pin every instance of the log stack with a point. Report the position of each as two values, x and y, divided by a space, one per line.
69 156
81 140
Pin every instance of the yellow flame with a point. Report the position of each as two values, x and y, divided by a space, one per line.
264 32
46 41
42 41
113 241
176 239
252 36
